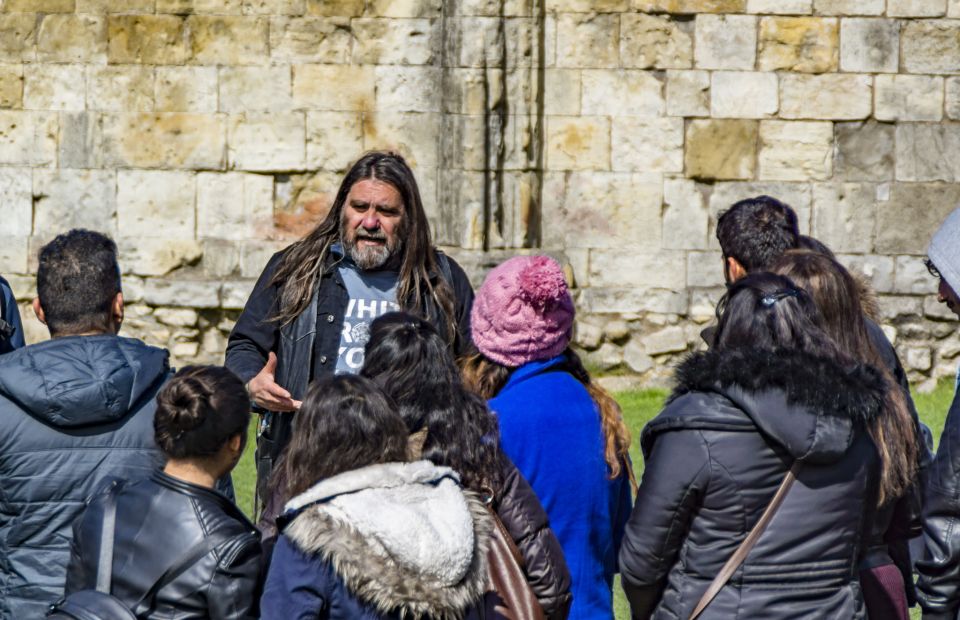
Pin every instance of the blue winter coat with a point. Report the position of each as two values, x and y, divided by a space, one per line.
11 315
76 411
550 427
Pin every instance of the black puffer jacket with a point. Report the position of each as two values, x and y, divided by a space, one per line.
714 458
523 517
76 411
159 520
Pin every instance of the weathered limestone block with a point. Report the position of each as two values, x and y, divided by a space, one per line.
339 88
588 40
628 217
704 269
670 339
835 96
804 44
869 45
925 151
310 39
587 6
408 89
578 143
74 199
54 87
930 46
877 269
405 8
274 7
177 317
631 299
11 86
636 358
157 257
906 221
235 293
844 216
80 144
795 151
192 7
561 93
254 255
909 98
721 149
267 141
783 7
690 6
340 8
115 6
654 42
474 41
688 93
918 358
221 259
169 140
147 39
864 151
619 92
607 357
797 195
725 41
255 89
685 216
72 38
647 145
615 268
28 138
744 94
953 8
16 202
234 205
463 147
186 89
40 6
178 292
381 41
13 254
916 8
156 203
848 7
412 135
952 98
334 139
221 40
120 88
912 277
18 37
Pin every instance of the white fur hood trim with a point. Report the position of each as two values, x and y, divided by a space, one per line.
401 536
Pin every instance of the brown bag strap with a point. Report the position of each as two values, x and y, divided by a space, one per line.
744 549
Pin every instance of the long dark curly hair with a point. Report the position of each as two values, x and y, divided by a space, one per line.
410 361
420 280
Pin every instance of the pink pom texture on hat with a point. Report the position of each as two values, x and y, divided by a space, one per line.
523 311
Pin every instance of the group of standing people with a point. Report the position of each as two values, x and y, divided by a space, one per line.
427 452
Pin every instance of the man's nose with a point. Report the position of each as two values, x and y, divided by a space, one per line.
370 221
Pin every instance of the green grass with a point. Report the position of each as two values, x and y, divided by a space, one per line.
639 406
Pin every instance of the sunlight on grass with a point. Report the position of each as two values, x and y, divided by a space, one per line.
639 407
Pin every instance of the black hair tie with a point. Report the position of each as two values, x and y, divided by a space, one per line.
771 298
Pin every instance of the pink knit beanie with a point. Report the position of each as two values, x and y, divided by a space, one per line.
523 311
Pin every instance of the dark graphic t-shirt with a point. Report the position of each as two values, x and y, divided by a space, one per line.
372 293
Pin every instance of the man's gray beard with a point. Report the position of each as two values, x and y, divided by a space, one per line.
369 258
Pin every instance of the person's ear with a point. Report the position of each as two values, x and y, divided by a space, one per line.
116 312
735 270
236 443
38 310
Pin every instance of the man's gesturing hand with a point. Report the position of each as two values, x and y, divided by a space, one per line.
265 391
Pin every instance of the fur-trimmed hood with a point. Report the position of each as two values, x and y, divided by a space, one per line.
403 537
808 404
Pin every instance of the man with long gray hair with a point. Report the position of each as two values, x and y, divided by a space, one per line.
310 311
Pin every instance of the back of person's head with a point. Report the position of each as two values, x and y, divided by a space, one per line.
78 280
837 295
198 411
768 311
408 358
756 231
345 422
806 242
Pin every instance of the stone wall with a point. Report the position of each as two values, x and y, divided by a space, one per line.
206 134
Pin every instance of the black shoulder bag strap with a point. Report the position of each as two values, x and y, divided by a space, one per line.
744 549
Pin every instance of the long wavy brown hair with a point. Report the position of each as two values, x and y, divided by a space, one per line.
420 281
837 295
487 377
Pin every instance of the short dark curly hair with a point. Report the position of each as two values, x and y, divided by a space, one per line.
78 278
756 231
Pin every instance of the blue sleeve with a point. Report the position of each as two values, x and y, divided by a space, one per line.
11 314
296 586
